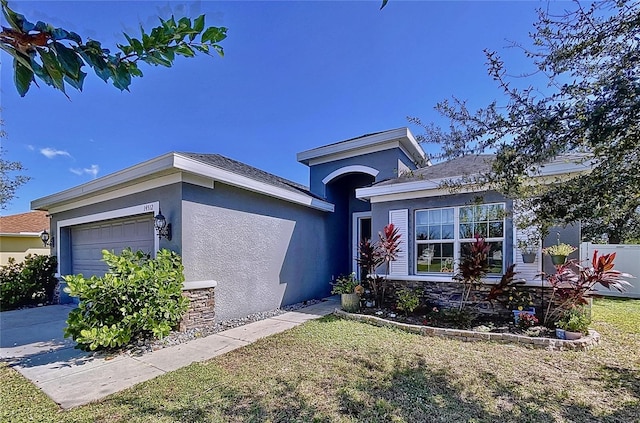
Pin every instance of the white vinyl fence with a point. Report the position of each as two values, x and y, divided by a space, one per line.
627 261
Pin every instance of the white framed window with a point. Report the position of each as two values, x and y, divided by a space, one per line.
441 235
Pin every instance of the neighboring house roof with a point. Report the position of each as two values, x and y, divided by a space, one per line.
29 223
428 181
364 144
170 168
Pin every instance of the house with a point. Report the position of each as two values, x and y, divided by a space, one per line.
20 235
253 241
435 222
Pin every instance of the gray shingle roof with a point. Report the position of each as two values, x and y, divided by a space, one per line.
460 166
256 174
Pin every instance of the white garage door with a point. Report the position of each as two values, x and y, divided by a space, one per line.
88 241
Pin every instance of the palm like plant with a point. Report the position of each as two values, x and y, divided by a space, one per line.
574 283
372 255
473 267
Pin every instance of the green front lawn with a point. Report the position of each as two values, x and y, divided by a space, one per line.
343 371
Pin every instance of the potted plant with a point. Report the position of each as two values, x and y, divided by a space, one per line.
529 249
575 322
559 252
350 290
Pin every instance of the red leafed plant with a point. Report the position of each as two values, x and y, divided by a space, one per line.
389 247
371 255
574 283
389 244
369 258
473 267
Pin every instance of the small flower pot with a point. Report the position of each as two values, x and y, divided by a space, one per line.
571 336
528 257
560 333
558 260
350 302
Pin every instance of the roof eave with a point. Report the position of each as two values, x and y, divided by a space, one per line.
403 135
122 177
174 162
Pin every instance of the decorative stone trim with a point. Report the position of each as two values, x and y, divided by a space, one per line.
201 311
584 343
187 286
447 295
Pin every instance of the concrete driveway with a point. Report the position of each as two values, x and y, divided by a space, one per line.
32 341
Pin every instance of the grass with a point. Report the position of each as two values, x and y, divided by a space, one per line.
333 370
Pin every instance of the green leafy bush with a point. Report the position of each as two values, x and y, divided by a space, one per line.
346 285
137 297
575 319
27 283
408 300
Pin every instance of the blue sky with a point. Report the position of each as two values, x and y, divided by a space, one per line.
296 75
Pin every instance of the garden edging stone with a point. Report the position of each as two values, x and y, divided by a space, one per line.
583 344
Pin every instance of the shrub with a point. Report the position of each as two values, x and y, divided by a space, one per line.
527 320
27 283
137 297
408 300
347 285
474 265
575 319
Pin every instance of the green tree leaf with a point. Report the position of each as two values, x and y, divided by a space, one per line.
214 35
23 77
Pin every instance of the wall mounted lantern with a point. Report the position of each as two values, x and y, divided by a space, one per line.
162 227
47 240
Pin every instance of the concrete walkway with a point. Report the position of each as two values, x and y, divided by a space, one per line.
32 342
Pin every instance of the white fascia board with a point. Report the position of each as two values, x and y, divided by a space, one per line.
402 187
401 196
562 166
190 165
133 188
364 145
21 234
123 177
132 180
411 145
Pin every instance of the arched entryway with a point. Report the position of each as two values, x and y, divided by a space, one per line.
351 220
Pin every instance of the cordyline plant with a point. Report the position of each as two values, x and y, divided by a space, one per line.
473 267
369 258
372 255
389 245
573 284
510 292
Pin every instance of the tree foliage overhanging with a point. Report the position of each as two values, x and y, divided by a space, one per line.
57 57
590 60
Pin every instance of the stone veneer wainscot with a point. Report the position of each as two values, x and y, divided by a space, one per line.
201 306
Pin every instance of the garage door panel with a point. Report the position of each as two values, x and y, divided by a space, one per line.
88 241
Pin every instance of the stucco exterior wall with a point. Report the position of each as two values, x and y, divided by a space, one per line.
262 252
386 162
380 217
